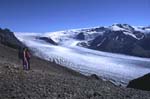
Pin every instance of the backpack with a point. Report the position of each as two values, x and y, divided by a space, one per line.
28 54
20 53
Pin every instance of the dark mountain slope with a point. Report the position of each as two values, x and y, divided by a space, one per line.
140 83
8 38
121 38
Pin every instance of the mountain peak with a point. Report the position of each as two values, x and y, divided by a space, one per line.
123 27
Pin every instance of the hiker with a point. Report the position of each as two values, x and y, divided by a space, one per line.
25 55
26 59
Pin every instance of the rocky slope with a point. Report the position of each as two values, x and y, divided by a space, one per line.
48 80
140 83
8 38
123 39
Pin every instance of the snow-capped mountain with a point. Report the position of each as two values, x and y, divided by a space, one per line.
76 34
118 38
125 39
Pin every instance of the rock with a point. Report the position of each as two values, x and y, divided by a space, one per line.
83 44
95 76
48 40
80 36
140 83
8 38
96 94
114 41
126 40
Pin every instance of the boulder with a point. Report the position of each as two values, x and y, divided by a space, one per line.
141 83
95 76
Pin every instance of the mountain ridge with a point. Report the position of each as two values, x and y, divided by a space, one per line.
118 38
9 39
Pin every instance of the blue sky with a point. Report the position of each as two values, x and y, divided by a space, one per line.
55 15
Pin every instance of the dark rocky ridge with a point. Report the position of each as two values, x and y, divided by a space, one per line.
48 40
140 83
8 38
80 36
116 46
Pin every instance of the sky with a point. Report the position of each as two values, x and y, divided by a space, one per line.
55 15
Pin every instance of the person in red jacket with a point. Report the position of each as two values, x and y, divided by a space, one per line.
26 59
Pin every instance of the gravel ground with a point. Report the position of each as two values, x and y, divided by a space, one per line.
48 80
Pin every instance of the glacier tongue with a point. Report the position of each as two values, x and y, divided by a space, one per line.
116 68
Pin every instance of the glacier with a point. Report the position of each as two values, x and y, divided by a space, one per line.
117 68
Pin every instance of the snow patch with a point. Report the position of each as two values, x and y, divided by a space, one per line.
101 42
116 28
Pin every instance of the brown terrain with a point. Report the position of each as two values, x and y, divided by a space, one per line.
48 80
